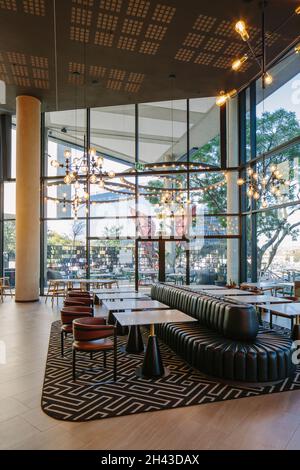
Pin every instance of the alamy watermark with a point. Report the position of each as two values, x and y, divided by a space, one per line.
296 353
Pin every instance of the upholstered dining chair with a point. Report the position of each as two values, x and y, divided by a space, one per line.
67 315
71 301
92 335
75 293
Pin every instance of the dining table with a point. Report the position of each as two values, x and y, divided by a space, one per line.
289 310
226 292
122 296
152 366
260 298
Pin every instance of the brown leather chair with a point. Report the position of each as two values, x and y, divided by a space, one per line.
73 293
67 315
92 335
72 301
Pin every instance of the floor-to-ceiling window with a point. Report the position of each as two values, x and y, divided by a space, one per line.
272 221
161 213
9 212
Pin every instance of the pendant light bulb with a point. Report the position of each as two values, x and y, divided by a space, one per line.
237 64
268 79
241 29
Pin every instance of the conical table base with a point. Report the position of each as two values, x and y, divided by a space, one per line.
152 366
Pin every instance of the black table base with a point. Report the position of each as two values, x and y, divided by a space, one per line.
135 342
295 333
152 365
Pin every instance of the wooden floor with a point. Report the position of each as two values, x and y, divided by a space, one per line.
265 422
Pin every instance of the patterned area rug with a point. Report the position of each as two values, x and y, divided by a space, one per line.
85 400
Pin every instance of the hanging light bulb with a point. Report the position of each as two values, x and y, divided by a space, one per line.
111 174
273 189
67 153
264 181
77 185
268 79
250 192
101 183
221 99
86 195
240 181
92 152
237 64
297 49
264 204
68 179
256 195
297 10
255 176
224 97
250 171
93 178
241 28
54 163
99 161
64 209
273 168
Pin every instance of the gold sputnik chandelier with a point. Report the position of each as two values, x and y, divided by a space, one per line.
258 186
237 65
80 173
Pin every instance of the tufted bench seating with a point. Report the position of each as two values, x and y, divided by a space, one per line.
225 341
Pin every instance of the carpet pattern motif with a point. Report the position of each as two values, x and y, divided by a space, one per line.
86 399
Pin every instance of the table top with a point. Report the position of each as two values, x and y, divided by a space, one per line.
225 292
268 284
290 310
256 299
134 305
123 295
202 287
115 290
150 317
85 281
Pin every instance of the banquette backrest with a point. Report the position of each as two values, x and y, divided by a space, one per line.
234 321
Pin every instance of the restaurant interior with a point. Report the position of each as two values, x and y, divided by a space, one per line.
149 225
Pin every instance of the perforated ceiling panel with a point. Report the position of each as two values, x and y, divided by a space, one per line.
124 51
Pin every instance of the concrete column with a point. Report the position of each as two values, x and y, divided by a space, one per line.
232 190
28 198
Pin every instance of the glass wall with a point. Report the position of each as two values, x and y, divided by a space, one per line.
273 219
158 209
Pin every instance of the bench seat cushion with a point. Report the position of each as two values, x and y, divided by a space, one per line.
266 359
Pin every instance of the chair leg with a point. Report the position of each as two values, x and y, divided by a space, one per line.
104 359
62 343
74 364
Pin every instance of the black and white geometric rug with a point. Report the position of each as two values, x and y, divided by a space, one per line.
85 400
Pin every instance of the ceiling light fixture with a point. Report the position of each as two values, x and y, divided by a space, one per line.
237 64
241 29
224 97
